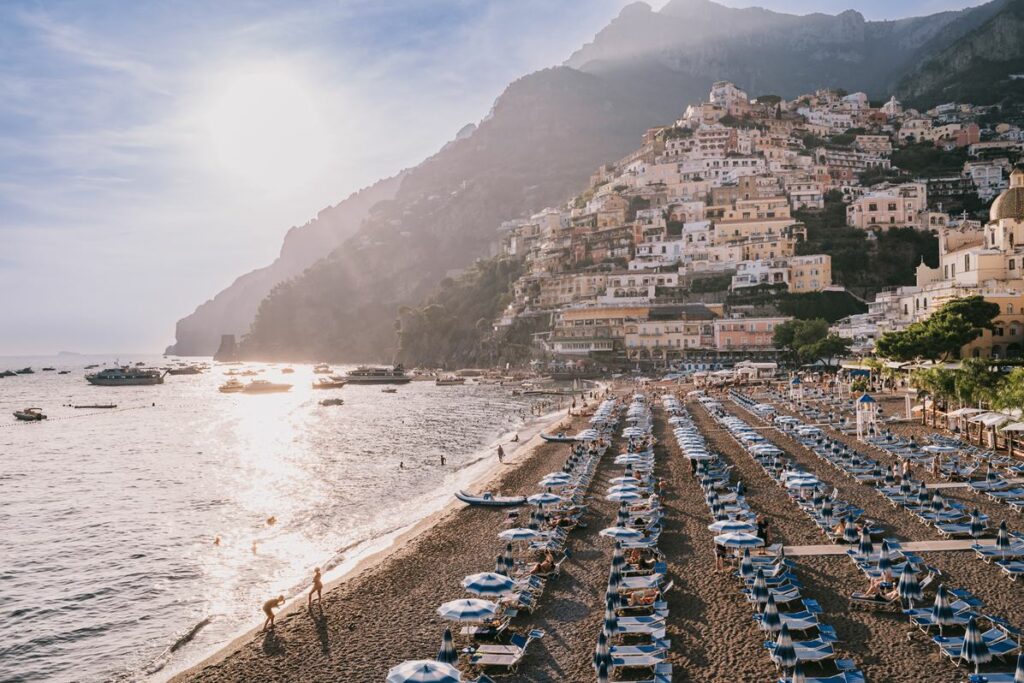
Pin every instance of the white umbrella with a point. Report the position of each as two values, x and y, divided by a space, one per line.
424 671
519 534
488 583
544 499
624 496
739 540
621 533
470 609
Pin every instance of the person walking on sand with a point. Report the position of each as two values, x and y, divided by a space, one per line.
268 609
318 586
501 454
443 461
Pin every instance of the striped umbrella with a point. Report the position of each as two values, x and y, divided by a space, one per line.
850 532
727 526
499 566
618 560
546 498
785 654
798 673
614 577
938 503
739 540
602 653
611 621
470 610
423 671
602 673
534 523
759 590
1003 539
884 560
624 480
905 487
942 611
621 533
865 547
908 587
1018 674
746 564
623 496
974 650
826 511
612 596
510 564
519 534
977 526
488 584
770 619
447 653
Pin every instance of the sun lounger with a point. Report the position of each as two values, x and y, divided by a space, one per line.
807 650
507 661
1012 568
1001 677
990 552
796 621
842 677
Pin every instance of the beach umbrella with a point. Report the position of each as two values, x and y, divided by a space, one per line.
1002 539
499 566
739 540
908 587
621 533
546 498
447 653
759 590
977 526
729 526
1018 674
602 653
785 654
938 504
974 650
509 562
770 619
611 621
623 496
623 488
826 511
865 547
470 610
624 480
905 487
423 671
622 516
519 534
884 560
488 583
850 532
746 564
922 496
942 610
555 482
602 673
798 673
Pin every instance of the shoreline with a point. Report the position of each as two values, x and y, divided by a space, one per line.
389 544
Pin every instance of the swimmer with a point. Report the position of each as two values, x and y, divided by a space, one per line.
254 547
216 540
318 586
268 609
271 520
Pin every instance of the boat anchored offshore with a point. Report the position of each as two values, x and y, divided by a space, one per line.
322 369
29 415
370 375
449 381
332 402
329 383
232 386
125 376
262 386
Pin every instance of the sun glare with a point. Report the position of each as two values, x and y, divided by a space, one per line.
267 128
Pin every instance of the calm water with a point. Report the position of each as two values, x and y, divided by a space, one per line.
107 554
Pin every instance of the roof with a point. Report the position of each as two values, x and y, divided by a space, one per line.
1010 204
866 398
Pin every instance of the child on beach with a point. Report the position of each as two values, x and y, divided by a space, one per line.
318 586
268 609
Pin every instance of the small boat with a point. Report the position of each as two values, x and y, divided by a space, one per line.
98 406
232 386
322 369
560 437
25 371
8 373
332 402
487 499
450 381
262 386
30 415
90 367
389 390
187 370
287 371
329 383
49 369
64 372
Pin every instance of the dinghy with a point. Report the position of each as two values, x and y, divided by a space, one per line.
560 437
486 499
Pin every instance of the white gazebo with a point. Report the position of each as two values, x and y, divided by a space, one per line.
867 414
796 389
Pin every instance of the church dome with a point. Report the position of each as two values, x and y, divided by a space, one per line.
1010 204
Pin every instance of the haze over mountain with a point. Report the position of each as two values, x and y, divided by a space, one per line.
543 138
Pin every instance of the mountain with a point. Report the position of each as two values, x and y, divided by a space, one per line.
543 138
975 66
232 310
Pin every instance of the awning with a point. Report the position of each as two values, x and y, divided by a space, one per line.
961 412
990 419
1013 427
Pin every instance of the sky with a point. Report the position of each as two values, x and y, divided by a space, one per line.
873 10
152 152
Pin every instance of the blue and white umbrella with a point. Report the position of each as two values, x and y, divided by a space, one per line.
798 673
618 559
1003 539
746 564
602 653
942 610
611 621
447 653
488 583
555 482
510 563
770 619
884 559
974 650
546 498
624 480
423 671
623 496
602 673
731 526
759 590
519 534
621 533
1018 673
739 540
785 653
468 610
499 566
909 588
865 547
619 488
977 525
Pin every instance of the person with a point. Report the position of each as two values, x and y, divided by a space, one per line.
840 528
501 454
546 566
515 438
875 589
905 470
318 586
443 461
268 609
720 556
401 464
762 528
216 540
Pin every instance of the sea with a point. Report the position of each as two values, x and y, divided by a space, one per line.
135 541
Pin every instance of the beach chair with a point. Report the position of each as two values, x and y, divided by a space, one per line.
988 553
1012 568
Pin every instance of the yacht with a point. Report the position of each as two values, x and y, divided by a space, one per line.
372 375
29 415
232 386
186 370
322 369
125 376
262 386
450 381
329 382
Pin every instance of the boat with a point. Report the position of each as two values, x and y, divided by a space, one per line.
64 372
8 373
332 402
560 437
487 499
232 386
49 369
329 383
30 415
262 386
389 390
287 371
25 371
374 375
322 369
449 381
125 376
90 367
187 370
98 406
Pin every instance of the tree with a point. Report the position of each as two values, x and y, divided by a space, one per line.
943 334
809 340
1010 393
939 384
976 382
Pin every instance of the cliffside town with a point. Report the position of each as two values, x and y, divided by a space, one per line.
690 247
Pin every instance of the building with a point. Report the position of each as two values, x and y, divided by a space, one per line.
897 206
741 336
810 273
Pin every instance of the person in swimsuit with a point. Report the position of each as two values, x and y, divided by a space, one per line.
318 586
268 609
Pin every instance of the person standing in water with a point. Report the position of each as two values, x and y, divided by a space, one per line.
268 609
318 586
501 454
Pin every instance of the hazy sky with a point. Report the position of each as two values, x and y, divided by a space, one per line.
151 152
